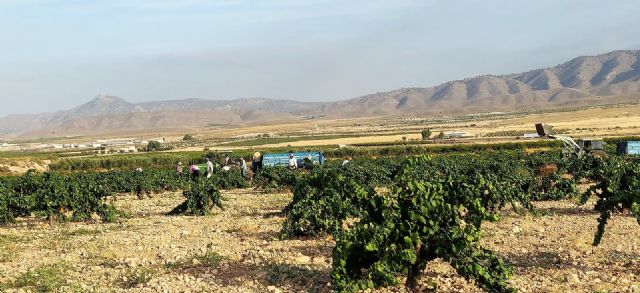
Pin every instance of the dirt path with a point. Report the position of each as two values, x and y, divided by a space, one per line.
238 250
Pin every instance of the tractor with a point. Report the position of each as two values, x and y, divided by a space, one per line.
585 146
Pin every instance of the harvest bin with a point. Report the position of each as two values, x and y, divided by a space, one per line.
629 148
282 159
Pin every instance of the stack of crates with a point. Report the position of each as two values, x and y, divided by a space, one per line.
629 148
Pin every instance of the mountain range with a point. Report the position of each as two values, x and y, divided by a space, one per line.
608 78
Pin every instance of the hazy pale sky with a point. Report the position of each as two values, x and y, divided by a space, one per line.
57 54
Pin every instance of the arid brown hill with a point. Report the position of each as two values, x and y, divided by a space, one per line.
589 80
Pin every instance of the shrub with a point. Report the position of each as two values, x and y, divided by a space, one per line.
426 134
201 197
419 221
154 146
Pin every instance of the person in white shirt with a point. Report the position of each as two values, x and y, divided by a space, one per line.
209 168
293 163
243 168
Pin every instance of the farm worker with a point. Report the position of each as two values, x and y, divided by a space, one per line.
345 162
308 160
293 163
227 161
179 168
243 168
195 171
209 168
257 161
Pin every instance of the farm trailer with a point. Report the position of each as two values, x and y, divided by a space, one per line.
282 159
628 148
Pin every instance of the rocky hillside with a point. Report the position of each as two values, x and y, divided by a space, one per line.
589 80
608 78
108 114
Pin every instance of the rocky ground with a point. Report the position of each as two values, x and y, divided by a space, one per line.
238 250
21 166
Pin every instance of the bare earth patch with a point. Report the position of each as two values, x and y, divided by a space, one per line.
239 250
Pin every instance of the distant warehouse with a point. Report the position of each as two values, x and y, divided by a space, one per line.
456 134
9 147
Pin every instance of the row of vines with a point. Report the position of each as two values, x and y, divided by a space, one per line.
86 195
391 217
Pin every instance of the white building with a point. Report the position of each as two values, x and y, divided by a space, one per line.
9 147
456 134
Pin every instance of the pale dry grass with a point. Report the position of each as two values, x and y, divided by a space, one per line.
602 121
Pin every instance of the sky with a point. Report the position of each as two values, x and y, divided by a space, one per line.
57 54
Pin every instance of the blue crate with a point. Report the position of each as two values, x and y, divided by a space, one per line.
629 148
282 159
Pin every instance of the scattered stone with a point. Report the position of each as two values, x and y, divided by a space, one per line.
301 258
572 278
318 260
132 262
149 243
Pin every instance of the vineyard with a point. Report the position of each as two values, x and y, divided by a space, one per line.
435 207
83 196
389 218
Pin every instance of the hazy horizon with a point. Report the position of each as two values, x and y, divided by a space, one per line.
60 54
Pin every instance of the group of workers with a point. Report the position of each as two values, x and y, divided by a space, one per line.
292 163
256 164
307 162
194 169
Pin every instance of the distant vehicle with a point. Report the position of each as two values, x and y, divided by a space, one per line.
282 159
628 148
